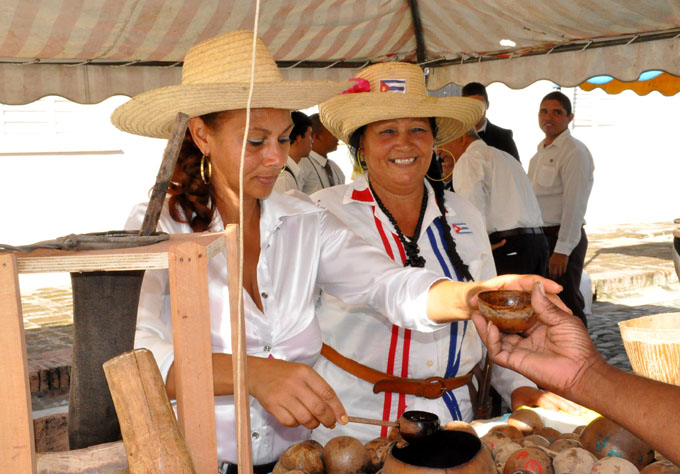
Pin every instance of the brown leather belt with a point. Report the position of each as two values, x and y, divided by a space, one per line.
431 387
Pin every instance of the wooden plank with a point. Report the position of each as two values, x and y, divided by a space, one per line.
136 258
153 441
106 458
17 445
239 353
165 172
188 270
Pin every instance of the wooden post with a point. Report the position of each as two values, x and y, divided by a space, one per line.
153 441
17 445
188 271
239 353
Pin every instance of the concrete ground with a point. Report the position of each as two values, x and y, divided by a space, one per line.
630 266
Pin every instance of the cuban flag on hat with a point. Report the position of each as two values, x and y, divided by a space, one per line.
393 85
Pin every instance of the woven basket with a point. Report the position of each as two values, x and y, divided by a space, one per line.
653 346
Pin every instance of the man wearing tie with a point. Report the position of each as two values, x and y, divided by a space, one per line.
317 171
492 135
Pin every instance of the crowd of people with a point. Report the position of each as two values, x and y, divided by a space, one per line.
359 297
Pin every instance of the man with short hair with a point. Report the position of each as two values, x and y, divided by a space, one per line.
300 146
561 173
497 185
492 135
317 171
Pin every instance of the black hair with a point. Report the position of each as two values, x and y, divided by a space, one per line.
433 175
317 126
301 124
561 98
474 88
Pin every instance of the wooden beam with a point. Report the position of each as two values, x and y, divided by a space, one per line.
239 353
17 445
109 458
135 258
153 441
188 269
421 52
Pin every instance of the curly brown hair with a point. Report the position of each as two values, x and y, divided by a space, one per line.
191 200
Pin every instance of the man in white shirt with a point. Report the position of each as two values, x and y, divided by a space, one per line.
561 173
316 169
300 146
496 184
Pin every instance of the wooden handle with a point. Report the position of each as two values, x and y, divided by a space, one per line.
370 421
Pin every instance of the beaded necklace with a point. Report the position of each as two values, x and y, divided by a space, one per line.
413 257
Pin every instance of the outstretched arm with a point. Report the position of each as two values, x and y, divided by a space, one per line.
558 354
454 301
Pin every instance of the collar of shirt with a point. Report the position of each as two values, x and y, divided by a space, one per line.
359 192
557 142
475 145
483 127
320 159
294 167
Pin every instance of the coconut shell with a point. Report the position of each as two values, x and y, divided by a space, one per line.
574 461
502 453
614 465
377 450
551 434
345 455
661 467
495 439
564 443
603 437
305 456
533 460
535 440
458 425
510 431
527 421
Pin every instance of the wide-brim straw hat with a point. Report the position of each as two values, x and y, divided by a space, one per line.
216 77
397 90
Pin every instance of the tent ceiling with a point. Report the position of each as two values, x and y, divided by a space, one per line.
87 50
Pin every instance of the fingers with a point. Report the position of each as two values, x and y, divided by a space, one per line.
548 311
552 401
327 406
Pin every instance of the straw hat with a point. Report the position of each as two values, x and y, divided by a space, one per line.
216 77
397 90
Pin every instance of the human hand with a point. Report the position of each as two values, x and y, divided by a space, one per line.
534 397
294 393
516 282
557 266
555 353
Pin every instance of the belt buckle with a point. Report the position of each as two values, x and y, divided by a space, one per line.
432 382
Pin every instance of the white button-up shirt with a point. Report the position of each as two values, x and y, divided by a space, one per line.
562 176
368 337
495 182
302 246
288 180
313 174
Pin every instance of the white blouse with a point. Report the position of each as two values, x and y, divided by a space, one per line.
366 336
301 246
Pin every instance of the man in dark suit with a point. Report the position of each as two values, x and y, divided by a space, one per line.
492 135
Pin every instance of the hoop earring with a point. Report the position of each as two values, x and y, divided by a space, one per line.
445 178
203 168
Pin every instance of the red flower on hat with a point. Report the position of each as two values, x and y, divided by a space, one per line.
362 85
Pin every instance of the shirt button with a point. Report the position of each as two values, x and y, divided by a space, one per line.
264 295
255 435
430 363
267 348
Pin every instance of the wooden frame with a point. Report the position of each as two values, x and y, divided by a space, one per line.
17 448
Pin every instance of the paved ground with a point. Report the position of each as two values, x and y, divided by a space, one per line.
630 266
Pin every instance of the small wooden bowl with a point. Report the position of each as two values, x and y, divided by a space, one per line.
510 310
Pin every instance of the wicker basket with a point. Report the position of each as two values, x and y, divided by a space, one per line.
653 346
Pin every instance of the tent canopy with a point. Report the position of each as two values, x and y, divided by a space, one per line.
88 50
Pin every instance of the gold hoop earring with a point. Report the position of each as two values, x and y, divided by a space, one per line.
206 159
445 178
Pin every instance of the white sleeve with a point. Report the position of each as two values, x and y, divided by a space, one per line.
153 331
358 273
468 181
576 172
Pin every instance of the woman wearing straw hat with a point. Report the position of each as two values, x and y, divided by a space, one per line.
290 245
391 123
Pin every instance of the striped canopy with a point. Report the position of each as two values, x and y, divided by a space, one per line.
88 50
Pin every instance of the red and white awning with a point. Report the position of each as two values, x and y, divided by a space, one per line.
88 50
